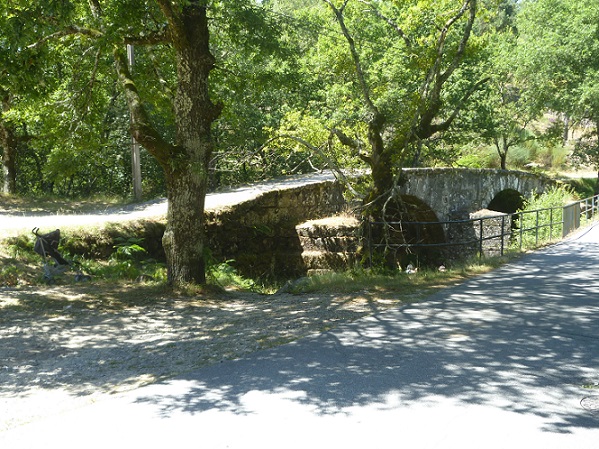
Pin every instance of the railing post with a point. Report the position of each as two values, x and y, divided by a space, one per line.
521 229
586 209
369 236
551 224
537 230
502 233
571 218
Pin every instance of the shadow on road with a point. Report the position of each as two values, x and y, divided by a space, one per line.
522 339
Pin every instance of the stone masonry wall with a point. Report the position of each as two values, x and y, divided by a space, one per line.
493 226
260 235
455 192
495 229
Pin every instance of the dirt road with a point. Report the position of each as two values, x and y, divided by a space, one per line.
13 223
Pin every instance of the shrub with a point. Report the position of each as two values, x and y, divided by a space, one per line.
542 215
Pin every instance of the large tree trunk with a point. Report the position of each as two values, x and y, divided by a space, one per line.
187 174
184 237
185 163
382 170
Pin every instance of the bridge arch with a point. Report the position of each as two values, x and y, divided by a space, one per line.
419 211
414 232
507 201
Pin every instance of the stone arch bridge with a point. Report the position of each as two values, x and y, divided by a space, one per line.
260 235
454 193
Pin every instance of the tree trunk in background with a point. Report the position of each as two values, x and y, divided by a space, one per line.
8 142
502 147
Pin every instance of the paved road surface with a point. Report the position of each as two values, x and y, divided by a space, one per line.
13 223
506 360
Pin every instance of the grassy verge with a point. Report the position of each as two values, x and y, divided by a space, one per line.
584 187
114 258
386 282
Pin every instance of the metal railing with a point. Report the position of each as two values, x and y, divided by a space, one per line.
489 235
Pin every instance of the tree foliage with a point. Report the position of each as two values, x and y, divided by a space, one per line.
390 78
233 91
558 63
169 98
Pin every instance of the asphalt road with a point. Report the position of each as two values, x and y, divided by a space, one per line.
509 359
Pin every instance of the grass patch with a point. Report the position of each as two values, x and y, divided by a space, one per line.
396 282
542 218
17 264
125 260
110 254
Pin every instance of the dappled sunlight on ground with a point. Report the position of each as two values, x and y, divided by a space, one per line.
505 340
502 357
73 344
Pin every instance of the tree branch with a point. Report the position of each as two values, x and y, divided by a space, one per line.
69 31
332 165
174 20
157 37
443 126
434 75
430 103
356 58
96 8
345 139
390 22
354 144
141 128
465 37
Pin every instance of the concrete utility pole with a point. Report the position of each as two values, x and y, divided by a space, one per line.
135 147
